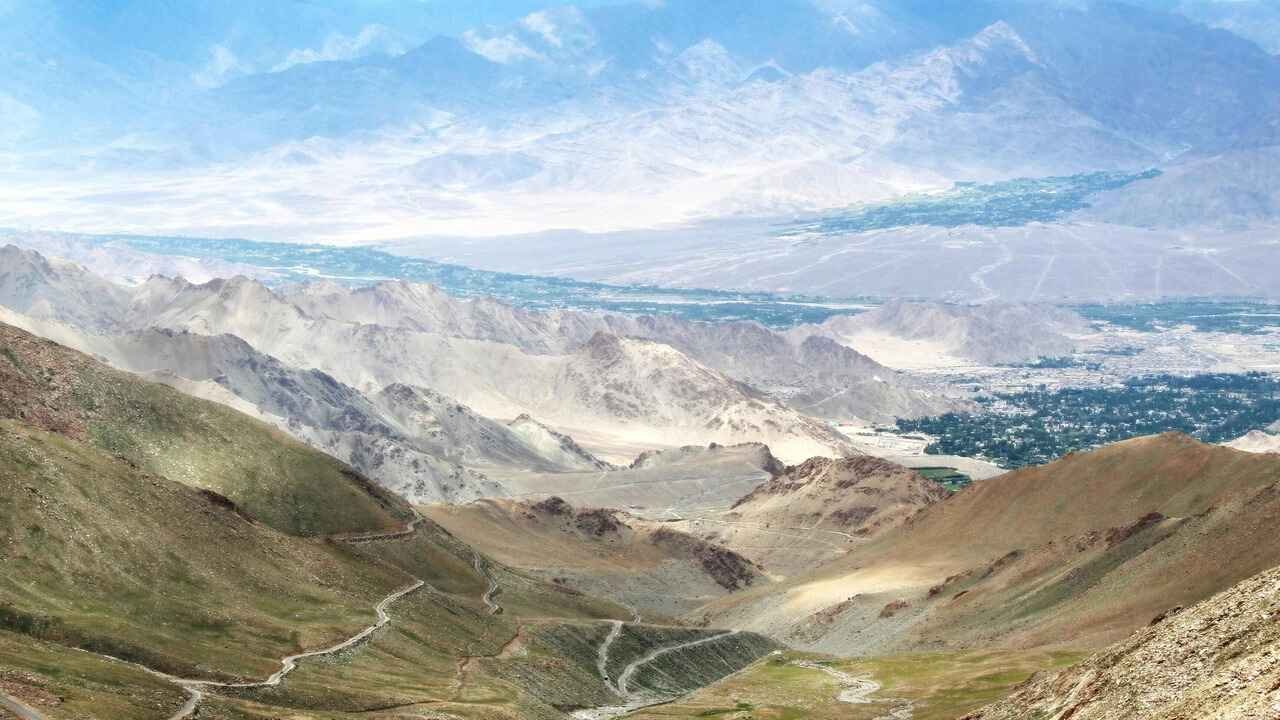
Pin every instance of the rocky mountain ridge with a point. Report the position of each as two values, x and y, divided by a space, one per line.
1216 659
566 369
989 334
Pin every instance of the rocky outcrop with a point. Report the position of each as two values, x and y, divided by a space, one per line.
729 569
556 446
863 495
757 454
1219 659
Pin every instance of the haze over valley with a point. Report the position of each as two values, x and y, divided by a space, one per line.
859 359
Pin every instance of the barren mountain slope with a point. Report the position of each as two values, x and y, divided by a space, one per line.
987 334
648 387
863 496
659 571
1218 659
811 513
235 306
821 376
48 289
305 397
806 370
1080 551
660 485
426 308
556 446
450 430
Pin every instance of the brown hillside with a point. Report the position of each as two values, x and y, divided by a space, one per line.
816 511
1079 552
650 566
862 496
1219 659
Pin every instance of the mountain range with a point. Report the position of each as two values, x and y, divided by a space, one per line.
403 381
266 546
505 360
674 112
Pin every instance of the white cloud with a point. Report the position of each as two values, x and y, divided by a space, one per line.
222 66
502 49
370 39
542 24
561 29
853 16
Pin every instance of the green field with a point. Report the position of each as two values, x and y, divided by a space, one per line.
950 478
937 686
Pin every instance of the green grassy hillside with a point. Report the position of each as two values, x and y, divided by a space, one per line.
101 555
273 478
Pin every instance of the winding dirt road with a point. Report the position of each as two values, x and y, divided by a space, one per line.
602 655
858 689
492 590
17 707
624 680
196 689
622 686
410 528
290 663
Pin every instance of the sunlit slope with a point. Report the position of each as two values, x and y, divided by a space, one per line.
271 477
652 567
1214 660
1078 552
810 513
102 555
107 558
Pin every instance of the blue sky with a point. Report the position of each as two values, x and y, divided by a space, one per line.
451 17
235 37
